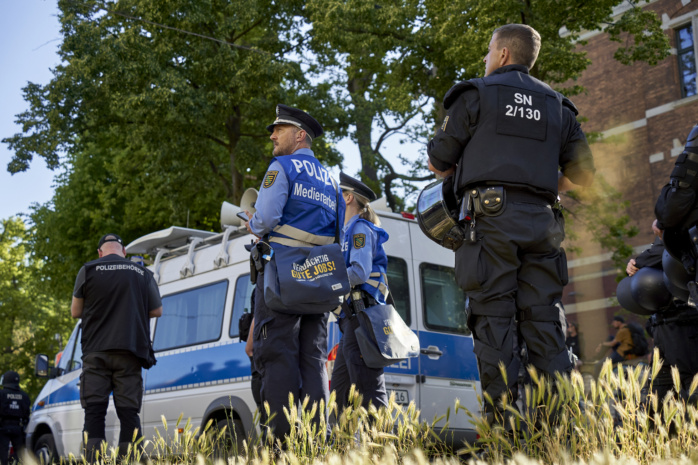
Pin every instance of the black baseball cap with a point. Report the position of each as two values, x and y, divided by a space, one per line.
297 118
352 184
619 318
111 237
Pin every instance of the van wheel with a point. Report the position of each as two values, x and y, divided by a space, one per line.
231 442
45 449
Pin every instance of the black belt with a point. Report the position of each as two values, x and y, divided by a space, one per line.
526 196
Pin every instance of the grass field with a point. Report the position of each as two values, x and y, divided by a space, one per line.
613 421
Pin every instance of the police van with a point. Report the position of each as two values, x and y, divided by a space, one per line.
202 371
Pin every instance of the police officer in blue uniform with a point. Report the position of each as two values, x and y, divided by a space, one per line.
503 141
14 415
298 206
367 266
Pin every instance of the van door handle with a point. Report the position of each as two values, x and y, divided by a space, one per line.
432 352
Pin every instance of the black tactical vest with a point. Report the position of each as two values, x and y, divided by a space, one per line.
14 406
518 135
115 313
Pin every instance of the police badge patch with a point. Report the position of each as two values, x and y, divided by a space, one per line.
359 240
269 178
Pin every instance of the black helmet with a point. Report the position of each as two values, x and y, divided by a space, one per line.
10 379
645 292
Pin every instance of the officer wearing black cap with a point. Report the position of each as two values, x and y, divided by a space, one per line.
14 415
298 206
115 299
367 267
504 139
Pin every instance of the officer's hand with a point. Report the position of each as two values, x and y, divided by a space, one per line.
443 174
247 223
655 229
631 269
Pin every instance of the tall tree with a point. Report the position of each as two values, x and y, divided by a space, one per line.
392 62
157 114
29 316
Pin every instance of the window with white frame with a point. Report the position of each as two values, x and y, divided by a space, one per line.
685 52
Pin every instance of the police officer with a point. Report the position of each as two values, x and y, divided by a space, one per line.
504 139
290 350
673 324
115 299
367 266
14 415
677 212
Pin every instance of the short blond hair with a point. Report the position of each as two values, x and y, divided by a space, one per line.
522 41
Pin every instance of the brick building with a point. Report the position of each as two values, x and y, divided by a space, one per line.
644 114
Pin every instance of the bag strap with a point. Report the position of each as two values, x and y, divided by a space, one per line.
336 210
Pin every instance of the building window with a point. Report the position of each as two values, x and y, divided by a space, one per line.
687 60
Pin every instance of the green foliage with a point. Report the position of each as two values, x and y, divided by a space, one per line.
603 213
29 316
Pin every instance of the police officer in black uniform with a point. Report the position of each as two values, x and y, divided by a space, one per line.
504 140
677 213
14 415
115 299
673 324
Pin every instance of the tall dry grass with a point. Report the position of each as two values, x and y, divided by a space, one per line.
616 420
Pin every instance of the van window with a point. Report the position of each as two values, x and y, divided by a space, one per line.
242 303
443 300
399 287
71 358
191 317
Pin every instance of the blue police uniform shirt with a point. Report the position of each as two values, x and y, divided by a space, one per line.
365 257
298 201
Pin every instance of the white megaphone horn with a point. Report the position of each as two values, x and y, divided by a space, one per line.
229 211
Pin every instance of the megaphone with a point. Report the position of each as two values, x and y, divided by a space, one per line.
228 215
229 211
249 197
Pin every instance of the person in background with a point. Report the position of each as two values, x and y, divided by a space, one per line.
115 298
14 415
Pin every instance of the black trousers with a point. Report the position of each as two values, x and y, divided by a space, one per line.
513 276
349 368
290 352
676 342
104 373
14 435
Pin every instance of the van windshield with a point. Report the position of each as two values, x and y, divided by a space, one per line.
443 300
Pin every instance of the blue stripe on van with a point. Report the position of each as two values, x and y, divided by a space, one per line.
458 360
214 365
185 368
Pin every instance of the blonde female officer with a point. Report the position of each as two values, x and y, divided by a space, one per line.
366 264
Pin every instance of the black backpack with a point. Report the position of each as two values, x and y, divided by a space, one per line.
640 344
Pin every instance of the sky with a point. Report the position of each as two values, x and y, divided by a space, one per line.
30 37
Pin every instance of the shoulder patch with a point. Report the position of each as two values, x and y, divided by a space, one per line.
443 126
359 241
269 178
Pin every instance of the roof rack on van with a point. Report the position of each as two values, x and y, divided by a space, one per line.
175 241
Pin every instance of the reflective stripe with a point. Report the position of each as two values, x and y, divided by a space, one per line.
290 242
303 236
379 285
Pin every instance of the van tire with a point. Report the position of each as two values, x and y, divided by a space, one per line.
45 449
233 438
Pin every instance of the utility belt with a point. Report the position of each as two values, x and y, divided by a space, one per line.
260 254
490 201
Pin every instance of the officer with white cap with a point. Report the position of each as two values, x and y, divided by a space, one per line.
297 207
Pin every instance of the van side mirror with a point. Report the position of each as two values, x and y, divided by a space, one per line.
42 368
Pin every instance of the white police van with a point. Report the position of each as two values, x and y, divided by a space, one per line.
202 371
